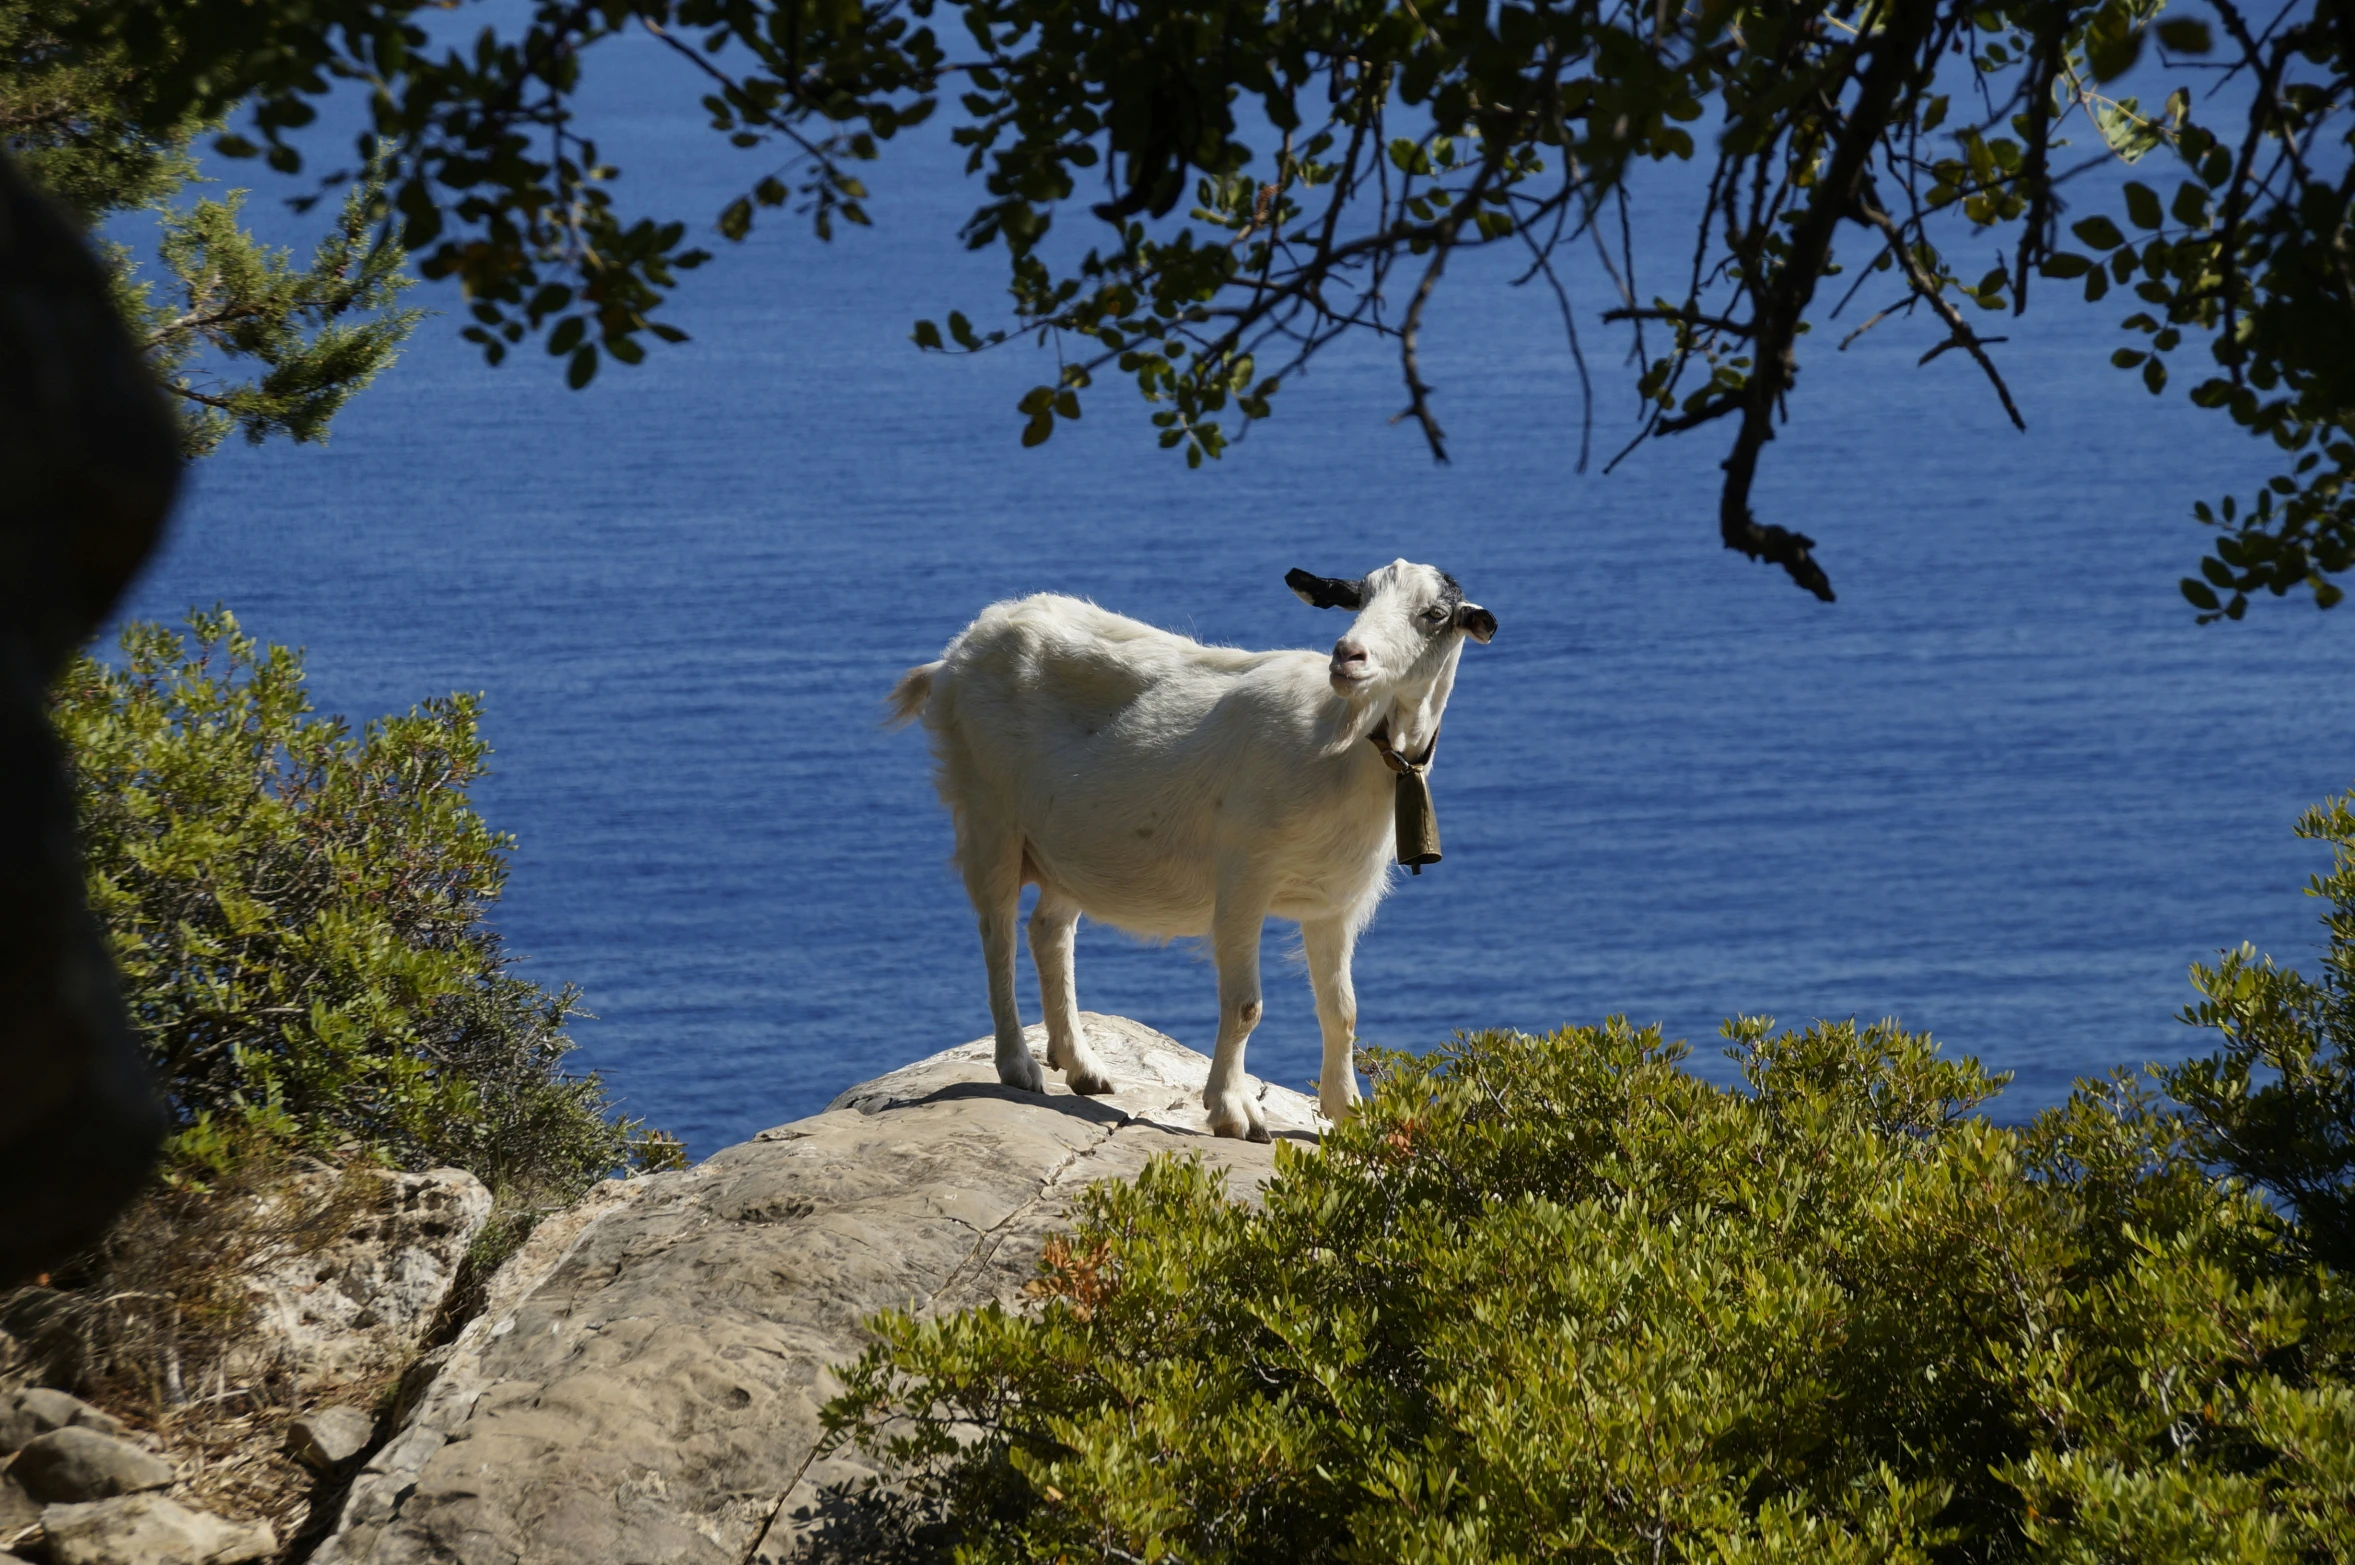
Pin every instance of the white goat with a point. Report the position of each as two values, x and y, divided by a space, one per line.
1168 788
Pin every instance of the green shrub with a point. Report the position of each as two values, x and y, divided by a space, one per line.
2276 1105
1557 1298
298 918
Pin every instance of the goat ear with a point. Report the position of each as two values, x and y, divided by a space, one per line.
1326 592
1475 622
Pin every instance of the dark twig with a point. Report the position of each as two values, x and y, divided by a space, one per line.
1925 288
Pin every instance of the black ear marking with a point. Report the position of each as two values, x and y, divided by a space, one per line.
1475 622
1326 592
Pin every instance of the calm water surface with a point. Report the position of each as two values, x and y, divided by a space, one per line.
2004 789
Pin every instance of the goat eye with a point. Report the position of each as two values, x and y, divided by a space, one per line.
1434 614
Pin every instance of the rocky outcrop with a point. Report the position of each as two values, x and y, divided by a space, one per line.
644 1383
352 1308
347 1271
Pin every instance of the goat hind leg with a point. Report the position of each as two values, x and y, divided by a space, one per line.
1054 924
994 881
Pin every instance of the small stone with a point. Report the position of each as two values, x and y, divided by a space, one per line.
74 1464
18 1510
148 1529
329 1437
36 1410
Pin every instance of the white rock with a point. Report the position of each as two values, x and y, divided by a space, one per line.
356 1309
329 1437
148 1529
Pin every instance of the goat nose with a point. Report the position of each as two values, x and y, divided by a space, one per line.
1348 652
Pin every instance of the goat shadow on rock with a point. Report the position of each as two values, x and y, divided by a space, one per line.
1092 1110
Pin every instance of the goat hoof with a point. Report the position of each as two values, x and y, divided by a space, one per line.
1094 1084
1259 1134
1023 1075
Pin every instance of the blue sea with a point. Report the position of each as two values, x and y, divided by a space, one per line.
2005 789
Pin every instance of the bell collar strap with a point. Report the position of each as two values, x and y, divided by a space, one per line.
1418 824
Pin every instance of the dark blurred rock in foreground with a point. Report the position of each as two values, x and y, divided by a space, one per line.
89 459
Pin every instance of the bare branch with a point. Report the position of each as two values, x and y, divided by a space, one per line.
1926 289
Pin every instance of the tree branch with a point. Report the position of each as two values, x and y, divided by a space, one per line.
1780 307
1925 288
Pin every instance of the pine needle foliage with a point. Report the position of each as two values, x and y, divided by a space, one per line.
1558 1298
247 339
299 918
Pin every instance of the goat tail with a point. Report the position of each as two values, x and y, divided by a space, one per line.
907 698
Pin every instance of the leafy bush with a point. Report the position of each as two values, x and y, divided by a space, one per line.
2276 1105
1557 1298
298 918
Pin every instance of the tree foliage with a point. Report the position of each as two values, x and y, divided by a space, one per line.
244 337
298 916
1256 181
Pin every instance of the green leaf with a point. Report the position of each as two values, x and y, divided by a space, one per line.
2063 263
962 329
736 218
566 336
2098 232
2186 35
2112 42
583 368
2199 594
2142 205
927 335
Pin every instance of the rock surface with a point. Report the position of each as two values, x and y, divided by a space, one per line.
74 1464
644 1382
353 1311
36 1410
329 1437
147 1529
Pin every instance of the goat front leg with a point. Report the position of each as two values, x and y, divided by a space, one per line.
1327 944
1054 924
1234 939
